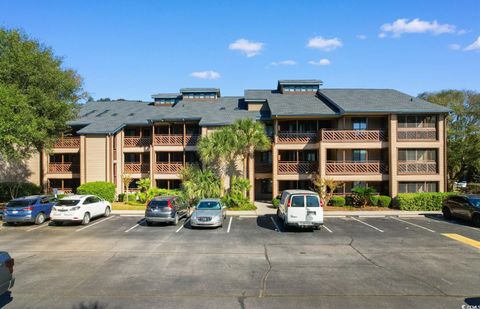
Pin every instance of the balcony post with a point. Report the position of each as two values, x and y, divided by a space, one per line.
393 154
152 159
442 154
184 136
251 177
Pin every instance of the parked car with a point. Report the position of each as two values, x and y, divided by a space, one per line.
208 212
464 207
35 209
80 208
6 272
168 209
301 208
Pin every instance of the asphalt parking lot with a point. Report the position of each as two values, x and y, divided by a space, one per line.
119 262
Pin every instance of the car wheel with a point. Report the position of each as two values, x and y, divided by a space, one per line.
86 219
107 212
476 220
40 218
447 214
175 220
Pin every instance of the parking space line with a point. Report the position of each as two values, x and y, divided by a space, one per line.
463 239
455 223
365 223
135 226
419 226
181 227
229 225
90 225
37 227
276 225
329 230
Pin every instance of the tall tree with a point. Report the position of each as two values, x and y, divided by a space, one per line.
37 95
463 136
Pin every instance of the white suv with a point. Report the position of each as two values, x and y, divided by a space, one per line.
80 208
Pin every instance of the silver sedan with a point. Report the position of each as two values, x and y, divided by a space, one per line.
208 212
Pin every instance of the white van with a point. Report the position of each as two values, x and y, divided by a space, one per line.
300 208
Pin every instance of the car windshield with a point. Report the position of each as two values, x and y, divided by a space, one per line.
208 205
475 202
20 203
158 203
67 202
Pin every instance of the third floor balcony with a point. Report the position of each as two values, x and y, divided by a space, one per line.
417 167
355 167
343 136
68 142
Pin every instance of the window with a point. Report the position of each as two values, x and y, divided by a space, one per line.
359 155
312 201
417 155
413 187
298 201
359 123
417 121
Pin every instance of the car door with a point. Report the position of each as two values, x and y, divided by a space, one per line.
297 212
464 207
454 205
314 211
45 206
99 206
283 204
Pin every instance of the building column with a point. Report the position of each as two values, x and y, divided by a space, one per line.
152 160
441 155
83 159
275 160
251 177
393 155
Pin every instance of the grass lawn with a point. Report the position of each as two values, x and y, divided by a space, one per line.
130 206
244 208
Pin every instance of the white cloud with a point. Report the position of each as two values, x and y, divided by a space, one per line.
404 25
325 44
205 74
454 46
361 37
474 46
249 48
382 35
320 62
284 62
461 31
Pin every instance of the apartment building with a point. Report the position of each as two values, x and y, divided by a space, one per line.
380 138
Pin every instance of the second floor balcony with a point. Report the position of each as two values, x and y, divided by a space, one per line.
292 137
137 141
136 168
342 136
417 167
355 167
297 167
416 134
65 167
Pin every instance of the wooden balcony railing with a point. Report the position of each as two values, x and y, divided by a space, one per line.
136 141
293 167
175 139
66 167
417 167
296 137
328 135
354 168
137 168
191 139
416 134
168 168
68 142
263 167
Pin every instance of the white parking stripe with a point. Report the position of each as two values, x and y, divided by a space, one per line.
181 227
136 225
229 225
37 227
375 228
329 230
275 223
90 225
419 226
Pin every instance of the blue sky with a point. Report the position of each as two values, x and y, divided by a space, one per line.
132 49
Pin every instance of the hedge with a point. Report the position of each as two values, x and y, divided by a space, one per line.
337 201
421 201
384 200
374 200
276 202
105 190
24 189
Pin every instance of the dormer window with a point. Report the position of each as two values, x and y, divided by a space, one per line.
300 88
166 99
309 86
200 93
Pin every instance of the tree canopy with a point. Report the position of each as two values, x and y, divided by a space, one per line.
38 95
463 136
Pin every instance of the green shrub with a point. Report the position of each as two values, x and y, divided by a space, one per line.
276 202
361 195
105 190
473 188
235 197
7 189
374 200
337 201
421 201
121 197
384 200
349 200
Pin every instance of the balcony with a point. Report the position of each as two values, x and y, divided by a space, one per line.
68 142
136 168
66 167
136 141
355 167
416 134
261 167
343 136
175 139
168 168
297 167
417 167
296 137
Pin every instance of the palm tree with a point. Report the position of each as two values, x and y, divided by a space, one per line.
198 184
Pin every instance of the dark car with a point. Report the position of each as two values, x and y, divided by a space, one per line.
35 209
465 207
6 272
167 209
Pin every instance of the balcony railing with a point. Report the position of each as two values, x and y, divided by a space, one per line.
417 167
175 139
328 135
68 142
293 167
136 141
137 168
416 134
296 137
355 168
66 167
191 139
168 168
263 167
